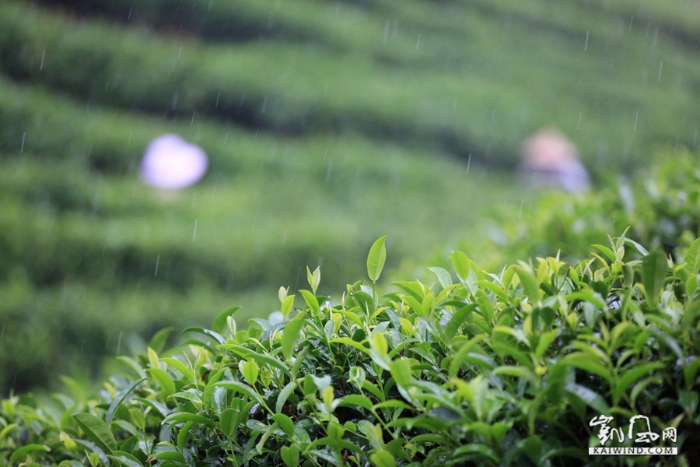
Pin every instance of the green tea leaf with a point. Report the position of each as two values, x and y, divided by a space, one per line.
545 341
249 370
311 302
6 430
587 362
690 370
653 274
97 431
191 395
458 319
484 451
383 458
632 374
692 259
285 423
206 332
284 395
688 400
607 252
133 364
287 305
126 459
241 388
166 383
519 372
355 400
219 324
182 417
24 450
443 276
228 421
529 282
643 251
153 358
376 259
314 278
182 368
123 394
290 455
401 372
290 334
591 398
670 342
460 263
159 339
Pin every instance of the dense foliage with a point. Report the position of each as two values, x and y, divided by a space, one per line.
495 369
660 206
310 111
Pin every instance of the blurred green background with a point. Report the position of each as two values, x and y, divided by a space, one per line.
327 123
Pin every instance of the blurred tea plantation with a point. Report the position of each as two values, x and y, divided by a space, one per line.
327 124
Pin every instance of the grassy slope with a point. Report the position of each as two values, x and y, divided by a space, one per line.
478 81
333 126
80 247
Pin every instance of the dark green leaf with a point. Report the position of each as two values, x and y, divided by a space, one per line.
285 423
24 450
653 274
290 334
123 394
182 417
457 319
591 398
97 431
126 459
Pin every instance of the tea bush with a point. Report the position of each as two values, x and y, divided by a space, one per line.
660 206
479 368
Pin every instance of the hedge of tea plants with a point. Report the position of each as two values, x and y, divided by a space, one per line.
472 368
660 205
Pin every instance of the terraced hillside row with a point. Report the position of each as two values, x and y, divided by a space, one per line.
462 77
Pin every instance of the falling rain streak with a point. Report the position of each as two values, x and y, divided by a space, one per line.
157 263
661 65
41 65
21 149
194 234
585 47
636 117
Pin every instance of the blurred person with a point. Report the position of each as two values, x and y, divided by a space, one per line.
550 159
172 163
